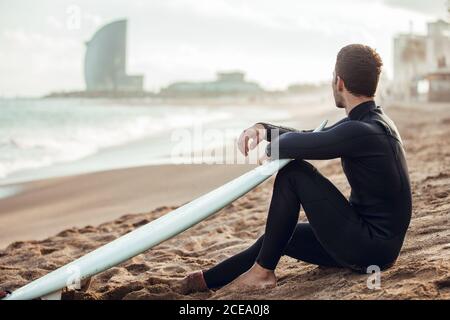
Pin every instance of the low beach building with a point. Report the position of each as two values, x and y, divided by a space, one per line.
421 64
227 83
439 85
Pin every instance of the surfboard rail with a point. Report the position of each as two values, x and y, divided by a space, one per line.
148 235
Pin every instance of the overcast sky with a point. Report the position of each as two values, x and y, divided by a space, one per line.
275 42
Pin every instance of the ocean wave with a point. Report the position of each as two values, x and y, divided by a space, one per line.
52 138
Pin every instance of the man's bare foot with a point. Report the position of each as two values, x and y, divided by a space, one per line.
194 282
255 278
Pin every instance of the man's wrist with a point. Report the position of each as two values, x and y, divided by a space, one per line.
264 128
261 129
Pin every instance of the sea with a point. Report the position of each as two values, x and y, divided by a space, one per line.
43 138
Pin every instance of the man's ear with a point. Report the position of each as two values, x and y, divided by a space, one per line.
340 85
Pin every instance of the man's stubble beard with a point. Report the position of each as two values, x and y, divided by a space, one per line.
338 100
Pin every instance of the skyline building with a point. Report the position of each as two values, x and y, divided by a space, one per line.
422 63
226 83
105 61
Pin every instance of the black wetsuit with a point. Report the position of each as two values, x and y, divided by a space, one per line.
368 229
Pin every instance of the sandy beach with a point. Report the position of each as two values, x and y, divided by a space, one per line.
49 205
74 215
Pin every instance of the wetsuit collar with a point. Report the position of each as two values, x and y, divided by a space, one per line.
361 109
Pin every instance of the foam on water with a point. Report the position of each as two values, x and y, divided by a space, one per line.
39 133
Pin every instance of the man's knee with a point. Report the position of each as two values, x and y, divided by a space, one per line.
294 170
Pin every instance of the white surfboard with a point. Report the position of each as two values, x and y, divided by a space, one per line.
147 236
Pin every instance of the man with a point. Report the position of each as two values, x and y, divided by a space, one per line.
366 230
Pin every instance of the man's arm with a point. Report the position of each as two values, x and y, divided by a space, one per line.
349 138
282 130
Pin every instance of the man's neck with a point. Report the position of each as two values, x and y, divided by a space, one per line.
352 102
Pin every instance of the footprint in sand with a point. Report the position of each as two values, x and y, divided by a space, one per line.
120 292
45 251
108 274
137 268
443 283
174 269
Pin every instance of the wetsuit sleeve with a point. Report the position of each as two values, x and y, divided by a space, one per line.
347 139
282 130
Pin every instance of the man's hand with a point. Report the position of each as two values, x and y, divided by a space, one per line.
255 134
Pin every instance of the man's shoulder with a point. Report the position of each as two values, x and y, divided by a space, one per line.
384 122
363 126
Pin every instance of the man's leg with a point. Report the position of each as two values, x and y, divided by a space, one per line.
231 268
302 246
297 183
336 225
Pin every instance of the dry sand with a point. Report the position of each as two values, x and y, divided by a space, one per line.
421 272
